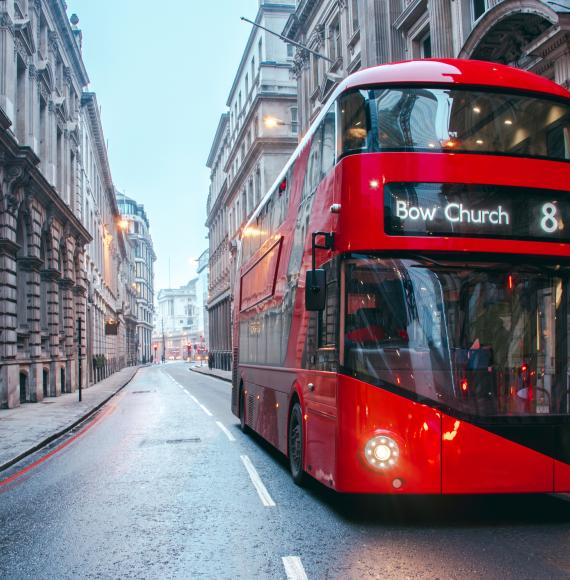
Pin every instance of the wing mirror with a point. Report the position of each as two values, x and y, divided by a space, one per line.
316 281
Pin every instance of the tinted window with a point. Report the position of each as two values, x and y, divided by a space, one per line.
430 119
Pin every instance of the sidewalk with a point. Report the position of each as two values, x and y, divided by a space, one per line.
217 373
25 429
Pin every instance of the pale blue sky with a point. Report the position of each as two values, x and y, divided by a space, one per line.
162 73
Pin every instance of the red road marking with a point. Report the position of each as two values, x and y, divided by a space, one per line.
63 445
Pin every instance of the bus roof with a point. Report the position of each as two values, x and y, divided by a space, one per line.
453 71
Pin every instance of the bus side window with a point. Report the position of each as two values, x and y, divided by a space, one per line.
354 130
313 172
329 145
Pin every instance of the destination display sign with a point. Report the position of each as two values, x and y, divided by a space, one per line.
491 211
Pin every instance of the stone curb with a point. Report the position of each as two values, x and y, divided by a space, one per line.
65 430
208 374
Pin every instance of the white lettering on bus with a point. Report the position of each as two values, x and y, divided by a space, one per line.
454 213
414 213
457 213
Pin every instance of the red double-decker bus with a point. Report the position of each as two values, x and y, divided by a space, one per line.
402 312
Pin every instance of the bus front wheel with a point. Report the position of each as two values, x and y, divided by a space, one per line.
242 422
296 445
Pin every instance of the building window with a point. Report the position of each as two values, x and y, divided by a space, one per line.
354 15
252 70
425 46
479 8
259 50
315 72
246 86
334 39
294 120
290 50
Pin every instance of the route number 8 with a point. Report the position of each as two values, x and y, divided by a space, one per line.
549 223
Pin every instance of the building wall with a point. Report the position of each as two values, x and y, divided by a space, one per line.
177 321
254 140
42 280
529 34
106 256
202 294
137 229
60 250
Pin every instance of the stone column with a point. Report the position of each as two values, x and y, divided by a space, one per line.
33 136
50 278
80 297
562 65
66 295
9 389
440 28
374 32
51 144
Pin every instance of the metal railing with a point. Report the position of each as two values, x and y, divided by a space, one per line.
220 359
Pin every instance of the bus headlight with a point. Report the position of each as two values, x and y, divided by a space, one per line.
381 452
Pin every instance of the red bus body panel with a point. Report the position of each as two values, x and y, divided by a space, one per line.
439 453
478 461
367 411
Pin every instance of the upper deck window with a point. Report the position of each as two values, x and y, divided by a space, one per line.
460 120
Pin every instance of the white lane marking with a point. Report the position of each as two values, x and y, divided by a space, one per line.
294 568
200 405
223 428
257 483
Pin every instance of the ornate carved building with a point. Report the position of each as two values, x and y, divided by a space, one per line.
56 197
529 34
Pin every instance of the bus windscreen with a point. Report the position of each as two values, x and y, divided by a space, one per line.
454 120
487 339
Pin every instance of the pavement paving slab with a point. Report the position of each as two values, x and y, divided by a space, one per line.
30 426
217 373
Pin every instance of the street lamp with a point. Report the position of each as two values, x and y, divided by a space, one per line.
271 122
124 224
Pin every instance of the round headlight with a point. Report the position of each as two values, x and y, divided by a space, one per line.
381 452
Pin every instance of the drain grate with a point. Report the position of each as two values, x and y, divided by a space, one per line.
139 392
154 442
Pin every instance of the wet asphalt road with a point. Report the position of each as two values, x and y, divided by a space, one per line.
154 488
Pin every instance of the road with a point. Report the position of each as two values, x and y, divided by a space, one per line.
157 486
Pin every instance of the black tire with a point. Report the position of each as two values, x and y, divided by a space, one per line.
242 424
295 445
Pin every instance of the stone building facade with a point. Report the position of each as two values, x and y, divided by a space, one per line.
529 34
137 228
62 253
178 321
107 254
42 238
254 139
219 294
